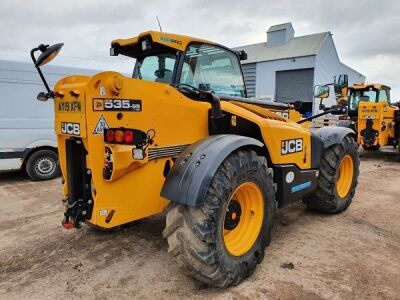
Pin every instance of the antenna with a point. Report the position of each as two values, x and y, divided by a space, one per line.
159 25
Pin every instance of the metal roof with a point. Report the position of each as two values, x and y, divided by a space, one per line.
279 27
301 46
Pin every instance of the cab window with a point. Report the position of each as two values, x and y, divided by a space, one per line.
212 68
383 96
368 95
157 68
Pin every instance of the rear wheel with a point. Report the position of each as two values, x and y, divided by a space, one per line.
43 165
221 242
338 178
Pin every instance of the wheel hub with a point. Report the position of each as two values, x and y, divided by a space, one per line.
243 218
232 216
44 166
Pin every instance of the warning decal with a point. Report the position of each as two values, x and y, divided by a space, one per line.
101 125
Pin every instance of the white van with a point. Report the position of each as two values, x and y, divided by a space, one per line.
27 137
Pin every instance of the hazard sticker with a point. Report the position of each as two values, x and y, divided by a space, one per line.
101 125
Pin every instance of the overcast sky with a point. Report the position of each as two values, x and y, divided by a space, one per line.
366 33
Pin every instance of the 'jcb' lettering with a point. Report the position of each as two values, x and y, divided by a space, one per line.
70 128
291 146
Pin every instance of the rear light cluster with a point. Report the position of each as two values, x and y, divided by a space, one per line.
125 136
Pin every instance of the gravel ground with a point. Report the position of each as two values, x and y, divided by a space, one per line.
354 255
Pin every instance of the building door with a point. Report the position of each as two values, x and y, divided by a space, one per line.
294 85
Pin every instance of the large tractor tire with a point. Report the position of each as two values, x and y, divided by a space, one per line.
221 242
338 178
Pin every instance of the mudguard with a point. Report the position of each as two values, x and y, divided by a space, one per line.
188 181
333 135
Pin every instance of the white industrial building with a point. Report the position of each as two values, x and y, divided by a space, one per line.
285 68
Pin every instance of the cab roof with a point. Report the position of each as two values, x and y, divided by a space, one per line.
170 40
361 86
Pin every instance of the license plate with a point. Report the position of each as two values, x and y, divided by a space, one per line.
69 106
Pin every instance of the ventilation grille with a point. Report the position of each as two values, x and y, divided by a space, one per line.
170 151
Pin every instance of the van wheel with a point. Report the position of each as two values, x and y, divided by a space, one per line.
221 242
43 165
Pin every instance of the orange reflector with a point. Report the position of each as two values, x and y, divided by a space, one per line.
110 216
119 136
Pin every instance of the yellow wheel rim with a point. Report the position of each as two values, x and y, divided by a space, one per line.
243 219
345 178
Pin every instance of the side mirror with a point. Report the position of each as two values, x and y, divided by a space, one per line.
321 91
48 53
242 55
341 84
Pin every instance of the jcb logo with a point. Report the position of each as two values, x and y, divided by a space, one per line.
372 117
70 128
291 146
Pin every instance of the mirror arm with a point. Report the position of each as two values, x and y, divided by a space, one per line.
335 109
321 105
49 91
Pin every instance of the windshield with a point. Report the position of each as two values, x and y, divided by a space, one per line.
212 68
367 95
158 67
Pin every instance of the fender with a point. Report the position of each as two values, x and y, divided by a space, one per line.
333 135
188 181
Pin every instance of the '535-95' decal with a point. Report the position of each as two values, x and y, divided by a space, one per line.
101 104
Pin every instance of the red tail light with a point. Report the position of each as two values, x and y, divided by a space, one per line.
110 136
128 137
125 136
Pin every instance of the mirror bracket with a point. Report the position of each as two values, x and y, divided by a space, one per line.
37 62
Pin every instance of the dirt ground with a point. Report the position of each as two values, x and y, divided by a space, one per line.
354 255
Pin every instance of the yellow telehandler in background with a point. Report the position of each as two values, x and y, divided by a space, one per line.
370 113
180 136
378 120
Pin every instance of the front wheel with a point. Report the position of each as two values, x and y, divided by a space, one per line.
221 242
338 178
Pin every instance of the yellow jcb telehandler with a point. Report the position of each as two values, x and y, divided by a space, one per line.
180 136
370 113
378 120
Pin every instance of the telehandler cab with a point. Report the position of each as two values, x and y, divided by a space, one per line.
180 136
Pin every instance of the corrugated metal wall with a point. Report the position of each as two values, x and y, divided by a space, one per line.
249 72
295 85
